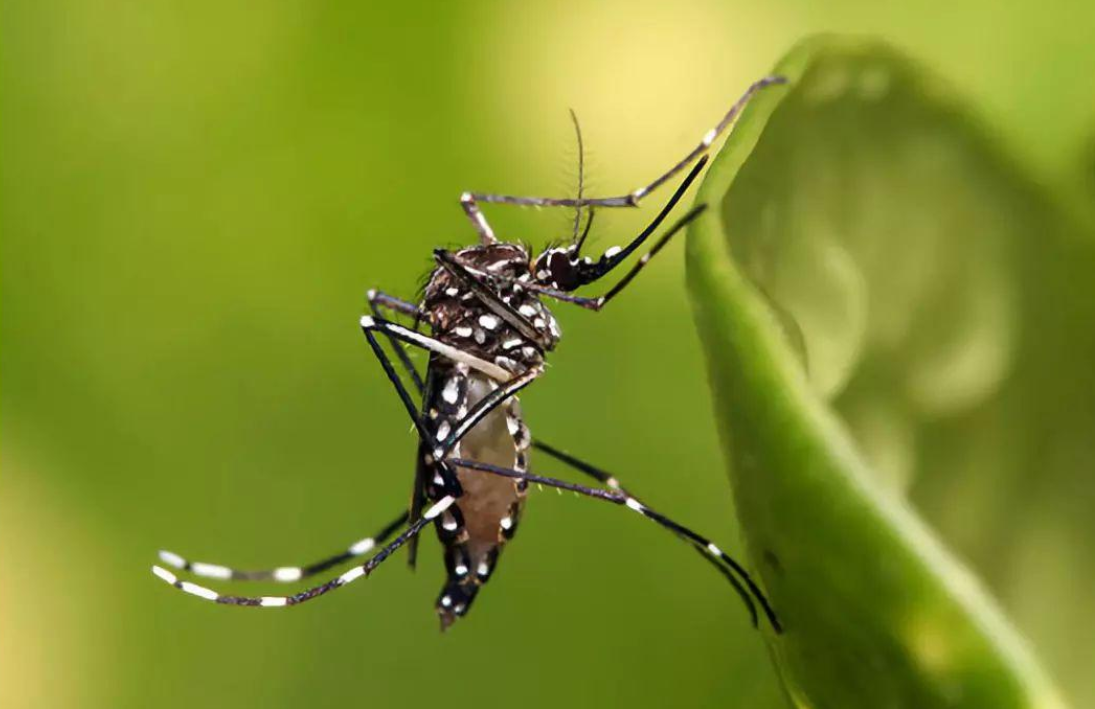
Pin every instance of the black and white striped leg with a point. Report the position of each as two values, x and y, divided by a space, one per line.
400 388
478 220
612 482
283 574
602 476
316 591
409 309
615 486
380 302
635 505
294 573
470 200
450 483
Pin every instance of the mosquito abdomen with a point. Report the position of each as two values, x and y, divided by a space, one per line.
487 513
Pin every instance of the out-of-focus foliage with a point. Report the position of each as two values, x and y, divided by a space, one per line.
194 198
866 249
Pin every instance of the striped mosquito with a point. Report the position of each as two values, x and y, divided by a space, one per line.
489 332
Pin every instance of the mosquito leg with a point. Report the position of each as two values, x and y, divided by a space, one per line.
380 299
284 574
288 574
449 481
470 200
399 305
294 573
612 483
317 591
400 388
601 476
478 221
379 303
633 504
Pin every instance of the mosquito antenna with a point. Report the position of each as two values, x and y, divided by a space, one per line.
581 177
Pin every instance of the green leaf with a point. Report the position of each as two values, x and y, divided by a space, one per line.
853 276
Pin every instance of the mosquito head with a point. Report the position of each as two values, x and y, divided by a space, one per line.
563 269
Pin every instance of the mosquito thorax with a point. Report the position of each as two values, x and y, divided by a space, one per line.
460 318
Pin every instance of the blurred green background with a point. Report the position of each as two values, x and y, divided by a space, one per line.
194 198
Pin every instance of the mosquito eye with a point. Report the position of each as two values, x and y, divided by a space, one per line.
562 271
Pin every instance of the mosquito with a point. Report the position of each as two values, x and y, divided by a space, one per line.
489 333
